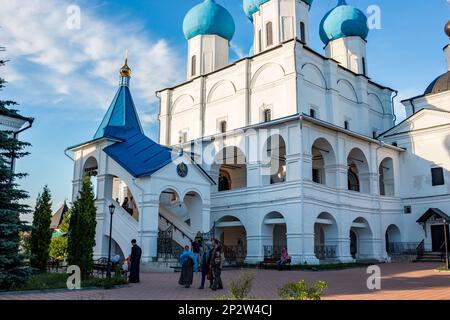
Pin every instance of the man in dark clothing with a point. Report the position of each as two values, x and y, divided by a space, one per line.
217 260
136 253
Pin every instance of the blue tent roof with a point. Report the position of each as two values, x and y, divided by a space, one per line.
139 155
120 116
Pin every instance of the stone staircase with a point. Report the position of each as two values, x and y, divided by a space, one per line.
431 257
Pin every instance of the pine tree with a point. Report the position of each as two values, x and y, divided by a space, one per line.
41 234
81 241
13 270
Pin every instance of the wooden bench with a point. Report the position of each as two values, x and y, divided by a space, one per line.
273 262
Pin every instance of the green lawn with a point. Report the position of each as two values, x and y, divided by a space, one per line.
49 281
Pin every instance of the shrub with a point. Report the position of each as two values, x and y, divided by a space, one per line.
300 290
241 286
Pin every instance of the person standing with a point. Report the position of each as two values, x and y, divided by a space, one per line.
188 262
217 261
197 245
125 204
135 258
205 263
130 206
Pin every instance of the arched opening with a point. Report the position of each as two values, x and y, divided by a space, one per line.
323 163
123 196
194 66
117 250
274 230
325 237
233 236
386 177
232 169
302 32
275 148
91 170
393 239
358 172
361 240
194 207
269 34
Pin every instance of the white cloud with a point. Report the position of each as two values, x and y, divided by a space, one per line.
82 65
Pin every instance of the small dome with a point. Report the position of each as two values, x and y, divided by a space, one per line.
208 18
252 6
343 21
447 29
440 84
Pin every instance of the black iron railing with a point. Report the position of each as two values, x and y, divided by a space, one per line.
325 252
420 250
402 247
235 254
272 252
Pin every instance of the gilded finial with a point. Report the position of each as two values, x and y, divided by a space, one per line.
125 71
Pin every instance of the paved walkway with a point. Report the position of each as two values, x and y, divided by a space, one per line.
399 281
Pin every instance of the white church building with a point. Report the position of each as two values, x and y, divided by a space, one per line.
286 148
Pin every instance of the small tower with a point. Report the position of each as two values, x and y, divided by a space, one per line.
344 31
209 28
447 47
277 21
121 119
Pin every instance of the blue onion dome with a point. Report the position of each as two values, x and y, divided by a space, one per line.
208 18
343 21
252 6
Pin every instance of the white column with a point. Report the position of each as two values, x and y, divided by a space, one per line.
148 232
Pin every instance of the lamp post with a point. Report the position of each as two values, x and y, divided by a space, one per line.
446 244
111 212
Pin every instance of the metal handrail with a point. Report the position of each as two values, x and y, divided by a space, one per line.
175 229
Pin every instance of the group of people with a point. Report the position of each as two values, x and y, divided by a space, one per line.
205 256
128 205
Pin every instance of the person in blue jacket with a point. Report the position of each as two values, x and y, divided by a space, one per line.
188 262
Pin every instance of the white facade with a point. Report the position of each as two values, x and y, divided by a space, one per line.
301 146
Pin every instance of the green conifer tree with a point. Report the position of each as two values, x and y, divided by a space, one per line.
41 234
81 241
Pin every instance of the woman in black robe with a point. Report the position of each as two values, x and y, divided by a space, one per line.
136 253
188 263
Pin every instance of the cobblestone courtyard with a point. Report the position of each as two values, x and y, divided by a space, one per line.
399 281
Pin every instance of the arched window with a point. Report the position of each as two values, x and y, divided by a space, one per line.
269 34
364 66
267 115
260 40
302 32
353 179
223 126
193 66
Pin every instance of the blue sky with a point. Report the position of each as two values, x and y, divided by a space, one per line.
67 78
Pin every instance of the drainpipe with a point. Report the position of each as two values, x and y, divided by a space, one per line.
393 109
16 136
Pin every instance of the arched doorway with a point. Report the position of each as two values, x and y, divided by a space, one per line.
233 236
393 239
323 160
358 172
386 177
275 230
325 237
231 167
361 240
275 149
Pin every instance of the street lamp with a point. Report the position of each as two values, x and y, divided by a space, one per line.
111 212
446 244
